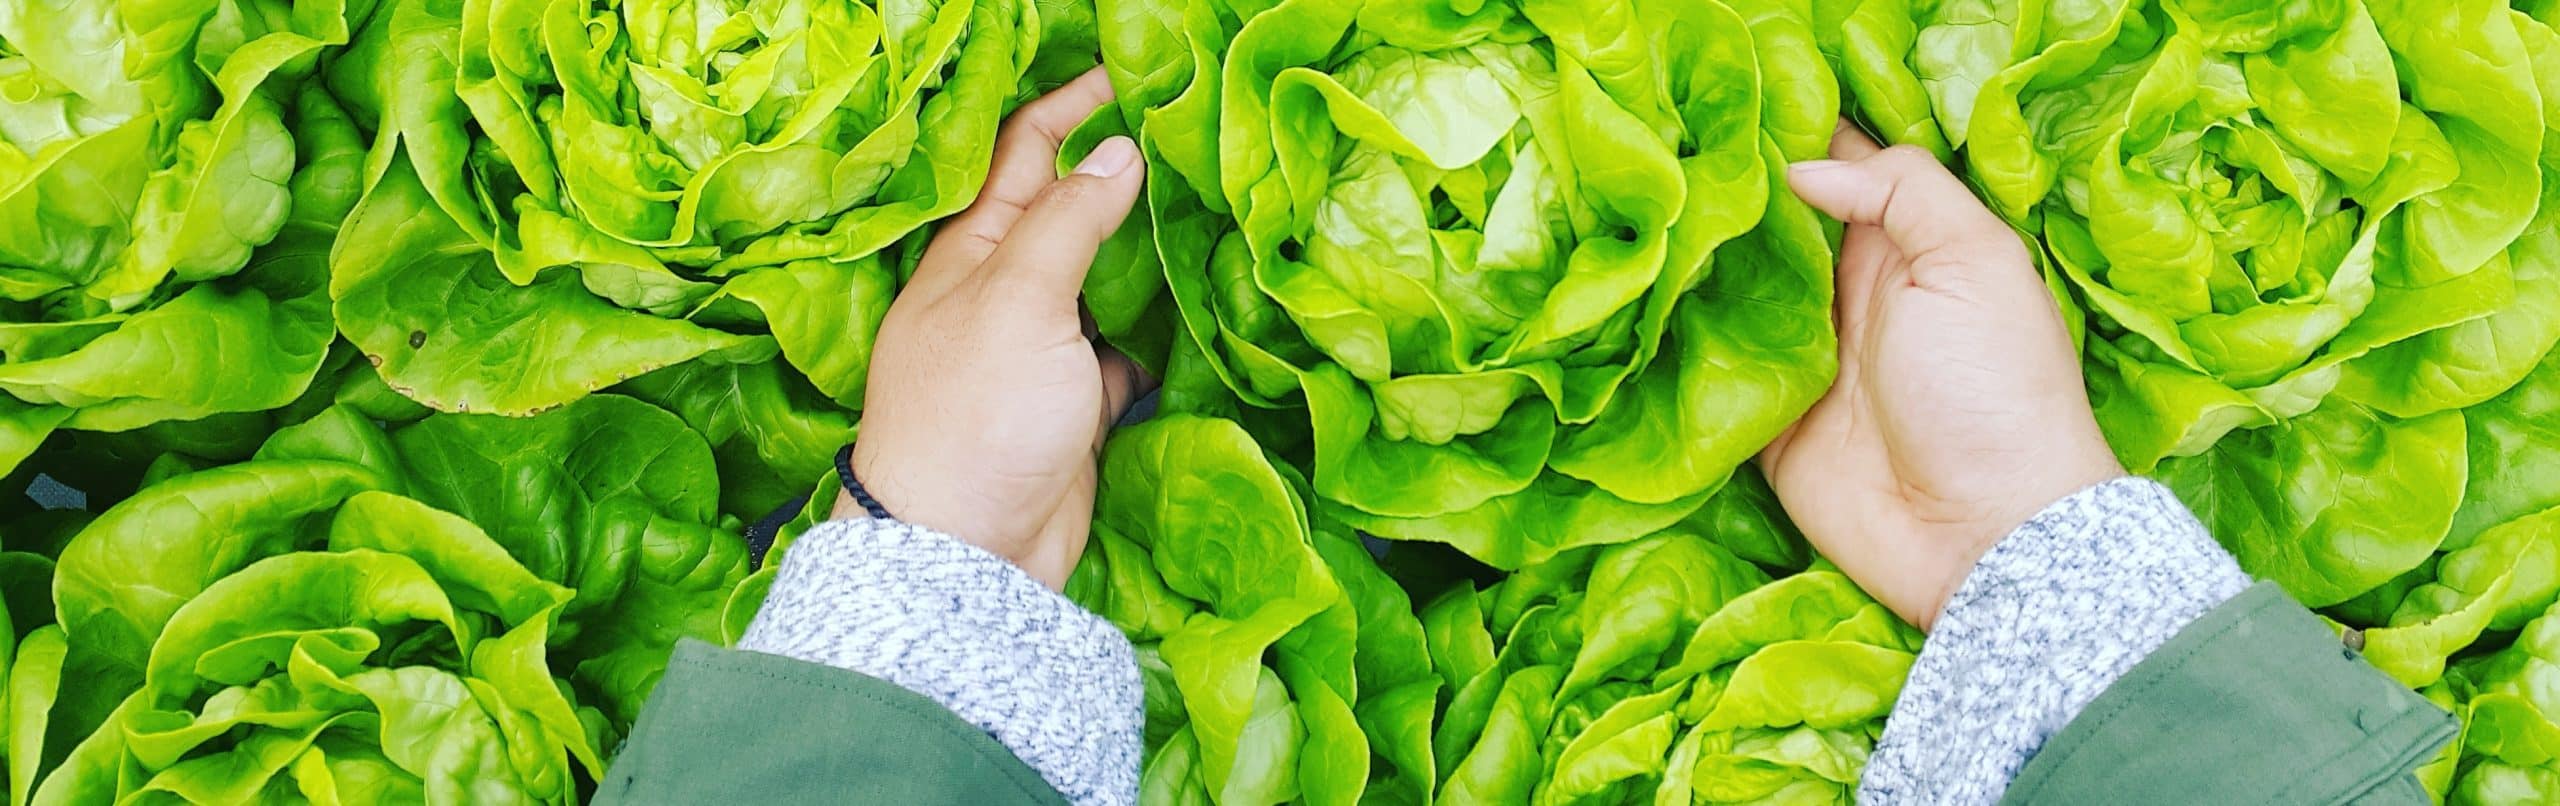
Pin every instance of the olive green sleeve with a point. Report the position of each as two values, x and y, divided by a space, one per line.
2256 702
729 726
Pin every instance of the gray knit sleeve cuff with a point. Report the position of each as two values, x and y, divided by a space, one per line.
1055 684
2049 618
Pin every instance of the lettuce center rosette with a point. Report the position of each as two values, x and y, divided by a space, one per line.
1514 276
169 176
572 193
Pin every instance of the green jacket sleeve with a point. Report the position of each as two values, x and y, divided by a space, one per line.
730 726
2256 702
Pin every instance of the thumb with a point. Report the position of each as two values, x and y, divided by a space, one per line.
1047 253
1903 190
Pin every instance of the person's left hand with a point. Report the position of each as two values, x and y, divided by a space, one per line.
988 403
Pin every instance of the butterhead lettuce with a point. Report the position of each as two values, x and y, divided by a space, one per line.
460 607
1297 675
1515 276
1664 670
568 195
2299 239
2260 207
169 177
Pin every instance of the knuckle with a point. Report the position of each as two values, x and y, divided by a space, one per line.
1048 117
1062 194
1018 133
1908 157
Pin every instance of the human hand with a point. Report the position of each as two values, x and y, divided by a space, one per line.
988 403
1959 411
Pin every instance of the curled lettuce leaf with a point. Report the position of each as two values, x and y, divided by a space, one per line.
168 182
1536 252
306 668
31 659
2332 503
2514 443
1284 662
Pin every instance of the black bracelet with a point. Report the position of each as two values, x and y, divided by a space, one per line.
853 487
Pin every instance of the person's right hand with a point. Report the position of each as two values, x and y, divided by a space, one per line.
1959 411
988 402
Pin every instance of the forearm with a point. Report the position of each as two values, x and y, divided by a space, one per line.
2047 621
1055 684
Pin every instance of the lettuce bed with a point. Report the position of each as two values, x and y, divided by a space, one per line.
392 380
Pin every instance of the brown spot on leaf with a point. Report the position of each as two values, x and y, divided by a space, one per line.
417 339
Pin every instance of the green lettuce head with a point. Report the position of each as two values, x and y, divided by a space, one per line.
572 193
2300 238
168 179
1281 664
455 607
1664 670
1515 276
2260 206
403 661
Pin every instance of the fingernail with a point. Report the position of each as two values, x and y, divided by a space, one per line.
1109 159
1814 166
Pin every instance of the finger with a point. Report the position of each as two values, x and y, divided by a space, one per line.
1046 255
1848 142
1829 445
1124 383
1775 452
1924 209
1053 555
1859 281
1026 159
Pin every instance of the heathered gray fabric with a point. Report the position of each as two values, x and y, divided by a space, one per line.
1057 685
2050 618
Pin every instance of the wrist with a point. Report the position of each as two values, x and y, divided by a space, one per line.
867 487
848 509
853 499
1969 546
892 489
